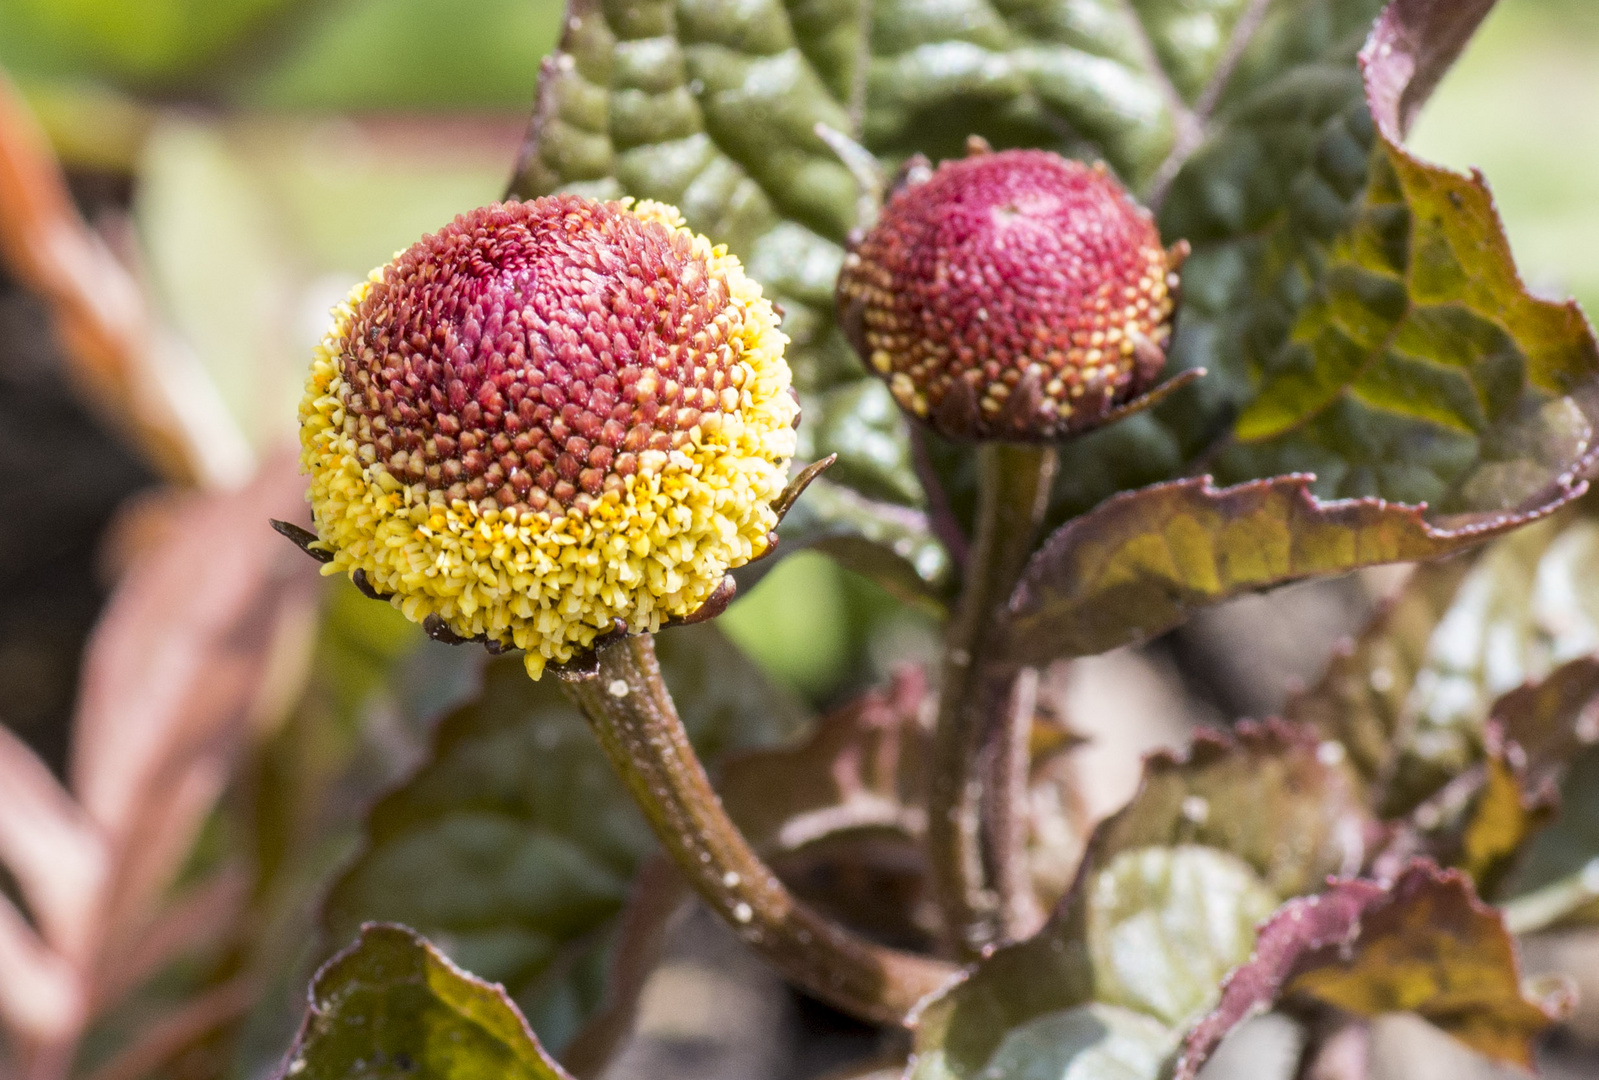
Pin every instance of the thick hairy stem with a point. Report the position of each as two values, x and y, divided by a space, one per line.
1013 492
630 710
1007 766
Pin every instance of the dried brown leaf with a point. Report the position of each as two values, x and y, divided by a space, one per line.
41 994
194 652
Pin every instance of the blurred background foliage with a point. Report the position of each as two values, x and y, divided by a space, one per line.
254 158
251 160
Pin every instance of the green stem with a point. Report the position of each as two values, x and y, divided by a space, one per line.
630 710
1013 491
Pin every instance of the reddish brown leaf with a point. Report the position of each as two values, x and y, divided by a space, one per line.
1413 44
1137 564
1553 719
161 396
41 994
202 642
860 768
1424 944
53 851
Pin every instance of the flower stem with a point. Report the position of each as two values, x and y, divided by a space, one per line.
630 710
1013 491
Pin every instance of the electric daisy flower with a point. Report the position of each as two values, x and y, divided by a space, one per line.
1015 295
547 419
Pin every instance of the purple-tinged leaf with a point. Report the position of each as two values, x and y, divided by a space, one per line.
1140 562
1152 921
1423 944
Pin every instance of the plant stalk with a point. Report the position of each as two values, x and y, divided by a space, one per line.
630 710
1013 492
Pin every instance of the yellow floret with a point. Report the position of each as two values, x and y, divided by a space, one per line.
552 582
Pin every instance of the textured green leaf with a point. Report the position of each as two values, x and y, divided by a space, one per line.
1153 932
1274 795
513 846
1164 905
392 1005
1412 363
1248 118
1136 565
1086 1042
1165 924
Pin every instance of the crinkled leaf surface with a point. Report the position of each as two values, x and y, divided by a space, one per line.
1424 944
1359 307
1249 112
392 1005
1164 904
513 846
1138 563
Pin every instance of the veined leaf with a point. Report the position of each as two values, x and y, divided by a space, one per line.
513 846
1424 944
1413 363
1164 904
393 1005
1137 564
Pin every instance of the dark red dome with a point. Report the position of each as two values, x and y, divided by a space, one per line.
1010 295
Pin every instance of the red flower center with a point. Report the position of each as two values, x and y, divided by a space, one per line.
530 352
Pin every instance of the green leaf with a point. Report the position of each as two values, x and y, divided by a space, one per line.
1246 122
513 846
1086 1042
1164 905
1404 357
1274 795
1165 924
1152 934
1137 564
888 544
392 1005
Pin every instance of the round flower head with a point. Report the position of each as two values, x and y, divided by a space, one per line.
1015 295
546 419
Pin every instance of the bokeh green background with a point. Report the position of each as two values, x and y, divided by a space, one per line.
275 150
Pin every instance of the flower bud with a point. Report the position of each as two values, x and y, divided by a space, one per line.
548 421
1017 295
